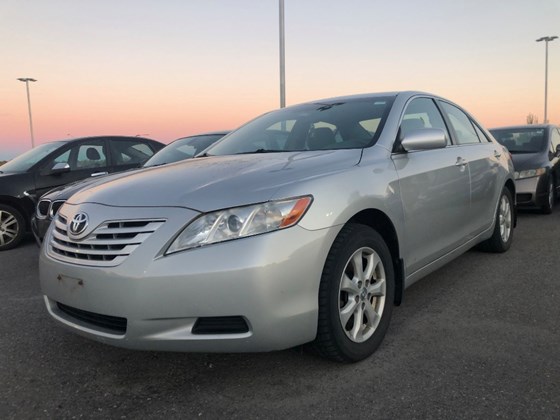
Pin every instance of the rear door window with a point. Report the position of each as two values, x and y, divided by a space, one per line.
129 152
465 132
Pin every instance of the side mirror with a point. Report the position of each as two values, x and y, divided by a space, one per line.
424 139
60 168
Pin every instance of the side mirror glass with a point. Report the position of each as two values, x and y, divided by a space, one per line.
60 168
424 139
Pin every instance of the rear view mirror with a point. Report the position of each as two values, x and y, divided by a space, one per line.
424 139
60 168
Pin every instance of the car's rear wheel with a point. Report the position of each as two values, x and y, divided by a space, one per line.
356 295
502 236
11 227
550 198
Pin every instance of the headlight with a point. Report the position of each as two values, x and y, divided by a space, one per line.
530 173
240 222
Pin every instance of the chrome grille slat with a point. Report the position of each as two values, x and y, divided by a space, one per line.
109 244
138 239
146 229
87 251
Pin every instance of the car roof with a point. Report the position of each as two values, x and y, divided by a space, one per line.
208 133
115 137
520 126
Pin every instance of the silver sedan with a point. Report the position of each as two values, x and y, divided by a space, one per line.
304 225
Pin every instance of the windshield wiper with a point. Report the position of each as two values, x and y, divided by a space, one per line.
259 151
205 154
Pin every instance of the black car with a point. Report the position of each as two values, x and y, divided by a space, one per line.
535 151
27 177
180 149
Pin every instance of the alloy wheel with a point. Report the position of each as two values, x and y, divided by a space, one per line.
362 294
505 218
9 227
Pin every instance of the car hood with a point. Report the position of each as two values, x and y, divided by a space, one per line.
524 161
64 192
206 184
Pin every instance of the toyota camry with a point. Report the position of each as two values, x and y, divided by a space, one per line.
305 225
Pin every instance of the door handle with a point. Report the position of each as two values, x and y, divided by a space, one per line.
99 173
460 162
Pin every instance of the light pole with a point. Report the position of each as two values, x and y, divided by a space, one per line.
27 80
282 57
546 39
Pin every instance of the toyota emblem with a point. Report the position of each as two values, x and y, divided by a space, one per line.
78 224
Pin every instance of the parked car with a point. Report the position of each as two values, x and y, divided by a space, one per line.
180 149
271 241
535 152
25 178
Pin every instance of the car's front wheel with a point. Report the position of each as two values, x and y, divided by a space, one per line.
11 227
356 295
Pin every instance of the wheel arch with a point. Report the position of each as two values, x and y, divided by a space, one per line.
18 205
510 185
383 225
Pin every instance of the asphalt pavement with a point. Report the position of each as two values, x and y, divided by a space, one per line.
479 338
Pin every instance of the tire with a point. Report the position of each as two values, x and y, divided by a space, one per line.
347 292
502 237
12 227
550 198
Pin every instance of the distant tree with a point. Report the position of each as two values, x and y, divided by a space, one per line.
532 119
2 162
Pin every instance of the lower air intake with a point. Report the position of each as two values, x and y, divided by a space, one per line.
114 324
220 325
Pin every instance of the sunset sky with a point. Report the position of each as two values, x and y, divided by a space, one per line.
169 68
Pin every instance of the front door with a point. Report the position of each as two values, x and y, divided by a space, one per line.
85 159
434 188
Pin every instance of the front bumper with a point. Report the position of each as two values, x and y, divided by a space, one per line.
531 192
271 281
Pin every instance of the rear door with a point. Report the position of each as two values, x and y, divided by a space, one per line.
435 190
85 159
482 156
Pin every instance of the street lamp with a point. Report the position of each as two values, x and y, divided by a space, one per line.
27 80
546 39
282 56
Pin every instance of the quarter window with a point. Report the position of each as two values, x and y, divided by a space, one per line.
480 133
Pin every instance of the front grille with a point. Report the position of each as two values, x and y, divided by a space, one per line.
107 322
108 245
220 325
43 208
55 206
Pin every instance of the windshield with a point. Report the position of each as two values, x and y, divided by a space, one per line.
184 148
346 124
25 161
521 140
